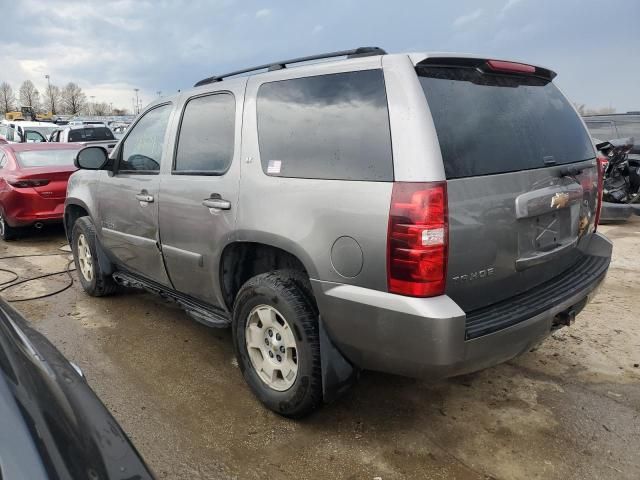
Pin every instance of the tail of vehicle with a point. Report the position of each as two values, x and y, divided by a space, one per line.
48 182
521 196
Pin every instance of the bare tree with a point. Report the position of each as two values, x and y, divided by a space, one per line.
29 95
7 98
120 111
53 99
73 98
600 111
100 108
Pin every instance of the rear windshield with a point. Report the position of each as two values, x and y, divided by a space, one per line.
489 124
90 134
46 158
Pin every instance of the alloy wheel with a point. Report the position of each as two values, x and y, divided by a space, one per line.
272 347
85 259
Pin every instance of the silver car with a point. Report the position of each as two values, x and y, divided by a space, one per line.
420 214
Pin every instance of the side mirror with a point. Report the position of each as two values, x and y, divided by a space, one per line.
91 158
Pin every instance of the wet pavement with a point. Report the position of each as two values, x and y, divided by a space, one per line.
568 410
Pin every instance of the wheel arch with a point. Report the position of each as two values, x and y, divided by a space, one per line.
73 210
242 260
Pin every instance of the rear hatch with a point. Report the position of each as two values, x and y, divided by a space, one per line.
521 176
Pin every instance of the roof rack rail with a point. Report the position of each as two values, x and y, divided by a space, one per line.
354 53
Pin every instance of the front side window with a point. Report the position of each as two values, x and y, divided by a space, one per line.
31 136
142 149
206 139
328 126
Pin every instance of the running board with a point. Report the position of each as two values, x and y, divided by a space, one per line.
202 313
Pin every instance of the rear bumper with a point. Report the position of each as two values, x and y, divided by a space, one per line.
425 337
24 208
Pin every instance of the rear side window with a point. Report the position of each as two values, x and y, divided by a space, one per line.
328 126
489 123
205 143
90 134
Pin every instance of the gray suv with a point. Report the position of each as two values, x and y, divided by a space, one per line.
420 214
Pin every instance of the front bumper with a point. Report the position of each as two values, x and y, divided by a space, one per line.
425 337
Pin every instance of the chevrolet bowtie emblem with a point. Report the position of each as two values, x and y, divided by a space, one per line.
560 200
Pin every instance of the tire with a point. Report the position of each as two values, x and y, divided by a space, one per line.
7 232
280 296
84 247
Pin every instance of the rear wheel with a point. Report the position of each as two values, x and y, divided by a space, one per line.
7 232
275 333
84 246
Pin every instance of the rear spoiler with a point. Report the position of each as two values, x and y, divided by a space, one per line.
490 66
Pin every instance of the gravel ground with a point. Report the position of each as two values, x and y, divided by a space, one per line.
568 410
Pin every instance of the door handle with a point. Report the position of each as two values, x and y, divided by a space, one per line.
217 203
144 197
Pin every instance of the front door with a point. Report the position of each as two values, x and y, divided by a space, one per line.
200 191
129 198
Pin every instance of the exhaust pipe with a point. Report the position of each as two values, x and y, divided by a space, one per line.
39 225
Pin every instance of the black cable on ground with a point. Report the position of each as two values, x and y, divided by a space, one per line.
66 270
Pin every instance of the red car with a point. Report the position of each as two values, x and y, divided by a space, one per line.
33 184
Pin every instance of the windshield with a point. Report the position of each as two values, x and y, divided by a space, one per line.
489 124
46 158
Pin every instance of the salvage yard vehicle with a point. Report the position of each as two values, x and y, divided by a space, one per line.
84 135
33 185
425 215
26 132
621 186
52 425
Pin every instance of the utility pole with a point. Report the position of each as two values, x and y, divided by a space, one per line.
92 110
159 92
52 103
137 104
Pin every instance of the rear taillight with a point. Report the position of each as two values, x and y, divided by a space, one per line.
417 239
602 163
511 67
26 183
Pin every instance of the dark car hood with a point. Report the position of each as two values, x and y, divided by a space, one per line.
52 425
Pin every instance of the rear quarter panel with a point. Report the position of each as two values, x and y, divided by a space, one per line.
82 190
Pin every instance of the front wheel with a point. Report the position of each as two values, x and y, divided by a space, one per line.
85 254
275 333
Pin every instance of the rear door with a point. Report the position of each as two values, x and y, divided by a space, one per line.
129 198
521 177
200 190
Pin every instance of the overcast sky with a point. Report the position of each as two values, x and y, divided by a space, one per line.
112 47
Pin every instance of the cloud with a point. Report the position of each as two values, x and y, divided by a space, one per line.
508 6
161 45
467 19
